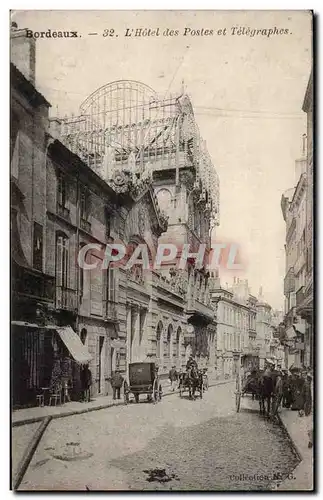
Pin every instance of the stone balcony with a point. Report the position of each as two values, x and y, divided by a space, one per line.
66 298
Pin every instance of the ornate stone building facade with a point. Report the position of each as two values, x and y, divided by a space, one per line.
95 183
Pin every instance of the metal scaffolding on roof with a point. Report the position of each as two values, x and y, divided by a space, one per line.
125 125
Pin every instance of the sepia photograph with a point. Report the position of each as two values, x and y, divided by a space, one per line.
162 333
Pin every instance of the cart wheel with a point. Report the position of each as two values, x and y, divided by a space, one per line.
181 391
201 391
160 393
238 400
136 397
126 398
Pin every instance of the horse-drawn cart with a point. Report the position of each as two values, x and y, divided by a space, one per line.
143 379
246 385
191 381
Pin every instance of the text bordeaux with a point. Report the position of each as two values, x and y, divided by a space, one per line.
51 34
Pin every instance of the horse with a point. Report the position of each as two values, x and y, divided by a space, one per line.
192 380
267 395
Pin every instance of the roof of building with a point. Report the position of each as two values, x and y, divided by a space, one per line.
23 85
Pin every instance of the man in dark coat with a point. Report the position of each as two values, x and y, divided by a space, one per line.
297 384
86 382
286 390
307 395
191 363
116 383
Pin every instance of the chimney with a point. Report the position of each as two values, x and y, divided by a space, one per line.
23 52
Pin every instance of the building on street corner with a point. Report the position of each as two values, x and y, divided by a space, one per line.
83 181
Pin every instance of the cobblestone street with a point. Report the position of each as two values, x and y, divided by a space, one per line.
177 444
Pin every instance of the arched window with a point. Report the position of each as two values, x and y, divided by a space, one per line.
165 200
168 345
159 340
83 335
178 344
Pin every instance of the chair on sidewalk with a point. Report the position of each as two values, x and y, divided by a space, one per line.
40 400
56 397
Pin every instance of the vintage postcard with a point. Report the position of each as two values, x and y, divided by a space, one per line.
162 331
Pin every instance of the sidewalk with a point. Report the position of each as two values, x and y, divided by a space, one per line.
37 414
297 429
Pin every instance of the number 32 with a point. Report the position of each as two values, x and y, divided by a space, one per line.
108 32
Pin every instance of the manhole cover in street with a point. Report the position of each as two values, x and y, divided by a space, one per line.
160 476
70 452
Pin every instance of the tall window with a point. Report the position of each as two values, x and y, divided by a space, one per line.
84 204
61 190
111 285
62 261
81 274
38 247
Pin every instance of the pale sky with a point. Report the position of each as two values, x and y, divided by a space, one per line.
247 94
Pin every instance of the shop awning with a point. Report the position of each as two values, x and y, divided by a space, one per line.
300 327
290 332
25 324
74 344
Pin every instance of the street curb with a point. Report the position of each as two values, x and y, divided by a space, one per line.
299 455
290 439
70 413
28 455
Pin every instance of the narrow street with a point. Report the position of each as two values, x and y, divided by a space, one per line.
177 444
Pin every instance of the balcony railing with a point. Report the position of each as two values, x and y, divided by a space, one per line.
300 295
63 211
33 283
66 298
85 225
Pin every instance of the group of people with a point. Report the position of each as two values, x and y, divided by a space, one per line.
296 390
291 389
86 383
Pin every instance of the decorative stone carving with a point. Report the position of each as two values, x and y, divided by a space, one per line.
120 182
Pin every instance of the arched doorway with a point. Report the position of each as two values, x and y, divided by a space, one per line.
159 334
178 354
168 345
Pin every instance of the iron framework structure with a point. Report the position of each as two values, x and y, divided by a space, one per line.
125 126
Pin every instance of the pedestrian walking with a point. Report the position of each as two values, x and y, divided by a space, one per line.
86 383
278 393
286 401
307 395
297 384
173 377
116 383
